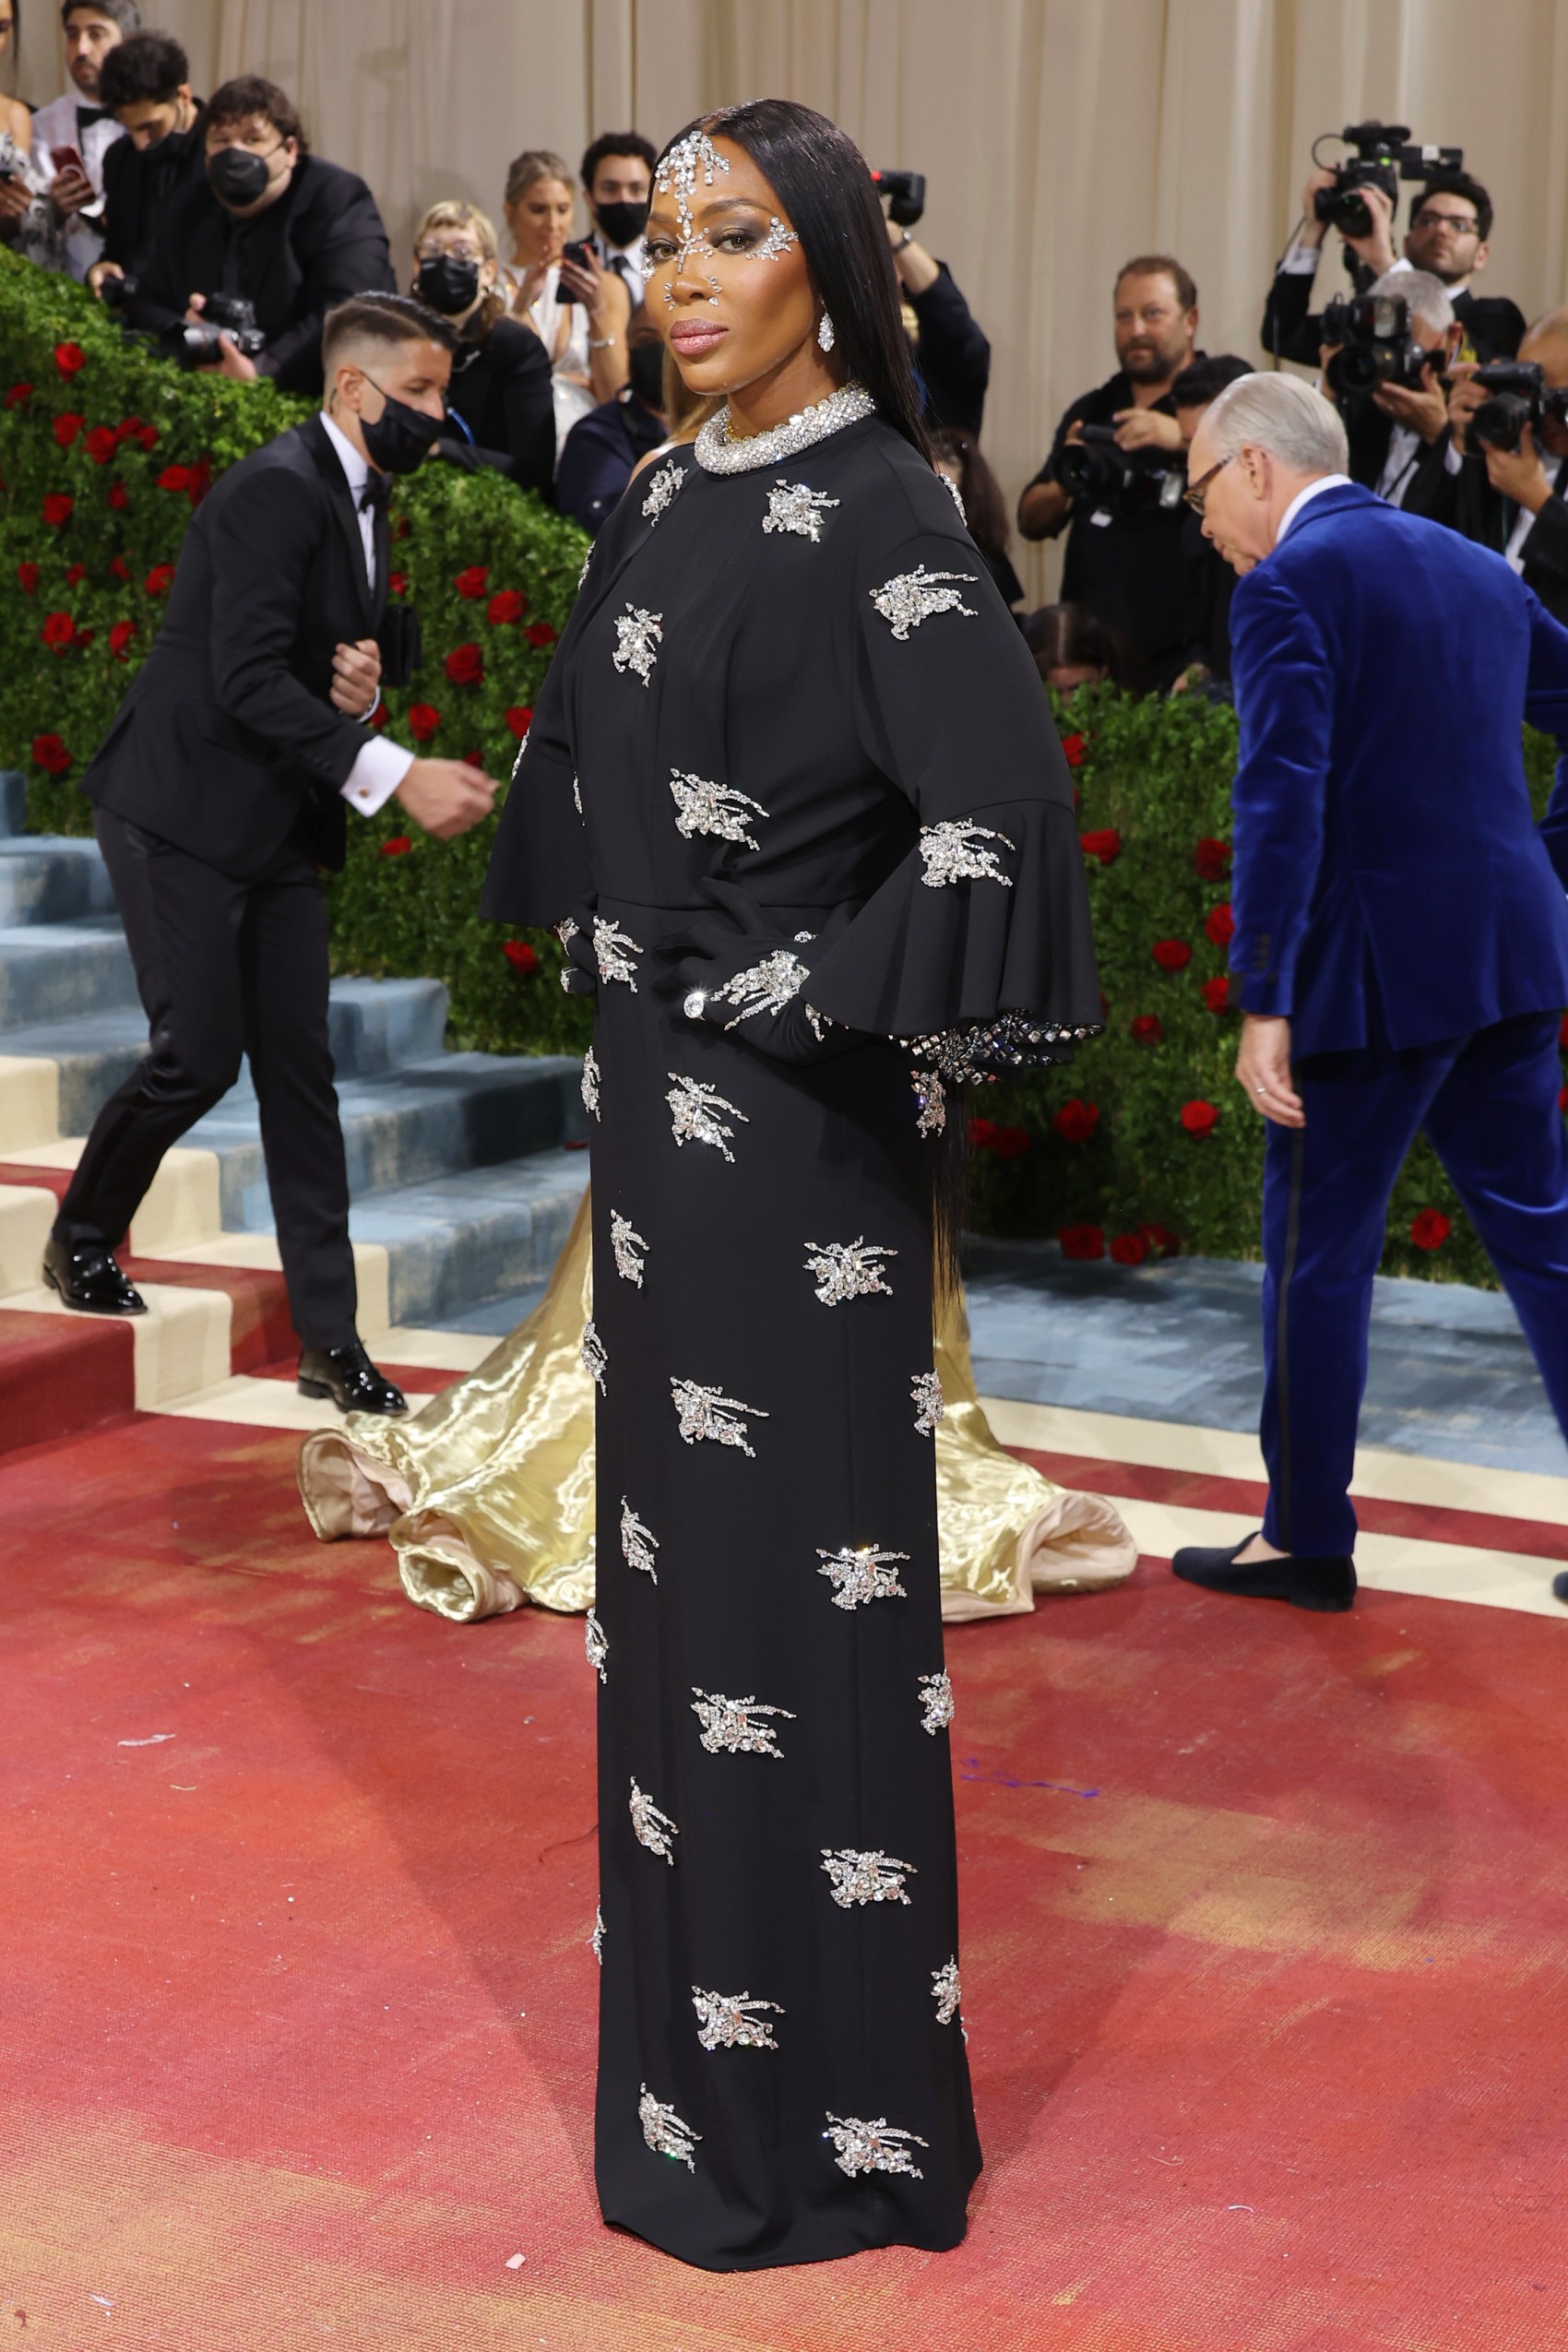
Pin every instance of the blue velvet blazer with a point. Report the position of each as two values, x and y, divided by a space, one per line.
1383 832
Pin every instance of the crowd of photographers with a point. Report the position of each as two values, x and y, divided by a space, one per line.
213 232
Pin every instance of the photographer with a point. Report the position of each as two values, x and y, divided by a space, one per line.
500 410
1512 463
952 355
1450 224
1390 394
1125 561
146 85
271 238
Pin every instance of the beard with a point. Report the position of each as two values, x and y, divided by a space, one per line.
1148 365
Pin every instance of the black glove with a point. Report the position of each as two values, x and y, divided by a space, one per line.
734 970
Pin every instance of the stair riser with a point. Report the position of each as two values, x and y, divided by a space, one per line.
53 886
44 979
443 1272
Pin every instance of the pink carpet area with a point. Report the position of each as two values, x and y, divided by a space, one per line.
1265 1918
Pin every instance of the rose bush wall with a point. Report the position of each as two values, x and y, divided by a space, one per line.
1142 1147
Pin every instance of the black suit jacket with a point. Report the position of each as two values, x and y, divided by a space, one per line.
227 743
1484 515
502 388
321 240
137 186
1430 489
1494 327
952 354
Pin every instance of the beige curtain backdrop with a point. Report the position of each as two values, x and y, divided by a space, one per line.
1058 137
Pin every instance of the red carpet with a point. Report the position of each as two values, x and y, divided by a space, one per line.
1265 1918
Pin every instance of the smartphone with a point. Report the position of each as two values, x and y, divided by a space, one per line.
574 250
66 158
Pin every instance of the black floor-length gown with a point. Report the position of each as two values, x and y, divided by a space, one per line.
791 753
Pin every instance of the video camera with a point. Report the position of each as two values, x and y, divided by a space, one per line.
1374 346
1518 396
907 191
1098 468
230 315
1384 157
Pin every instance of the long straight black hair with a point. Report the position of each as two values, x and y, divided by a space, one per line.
824 184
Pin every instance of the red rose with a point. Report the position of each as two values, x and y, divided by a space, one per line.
1160 1238
1081 1241
1221 926
1198 1118
539 633
18 395
66 428
1072 749
474 581
147 435
1128 1248
1563 1034
1010 1142
1171 955
982 1134
174 478
1148 1029
505 607
69 358
1076 1121
102 445
118 568
27 576
160 580
378 716
1562 1102
398 582
76 572
49 753
1217 993
520 956
120 637
465 665
1430 1229
1212 859
520 719
58 630
1106 846
401 528
127 429
119 497
423 721
57 508
399 847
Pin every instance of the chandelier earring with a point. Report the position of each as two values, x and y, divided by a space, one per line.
824 334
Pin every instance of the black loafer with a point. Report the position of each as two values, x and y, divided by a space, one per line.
1560 1585
1321 1584
348 1377
89 1279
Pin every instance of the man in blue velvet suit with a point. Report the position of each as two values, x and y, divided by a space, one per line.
1401 945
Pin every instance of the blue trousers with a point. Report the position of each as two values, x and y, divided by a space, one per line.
1489 1105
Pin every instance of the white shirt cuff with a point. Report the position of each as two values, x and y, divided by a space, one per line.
1300 261
1452 460
376 774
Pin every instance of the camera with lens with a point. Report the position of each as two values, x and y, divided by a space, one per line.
1517 396
1374 346
906 191
230 315
1098 468
116 293
1384 157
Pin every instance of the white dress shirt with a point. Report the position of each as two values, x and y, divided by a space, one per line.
381 767
627 262
1404 446
81 239
1525 521
1304 497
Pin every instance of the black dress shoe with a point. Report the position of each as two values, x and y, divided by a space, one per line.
1322 1584
1560 1585
348 1377
89 1279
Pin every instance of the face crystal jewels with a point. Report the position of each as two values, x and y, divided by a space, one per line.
591 1084
639 1543
679 169
650 1826
791 506
952 852
734 2020
936 1703
637 635
708 1412
663 488
625 1244
664 2132
735 1725
694 1115
848 1269
876 2146
929 1402
702 806
861 1573
947 1991
717 454
595 1645
595 1363
930 1117
763 988
612 952
865 1878
911 598
777 243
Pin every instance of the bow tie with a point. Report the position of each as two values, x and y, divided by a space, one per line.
87 115
376 492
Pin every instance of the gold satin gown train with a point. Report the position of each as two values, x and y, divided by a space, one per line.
486 1495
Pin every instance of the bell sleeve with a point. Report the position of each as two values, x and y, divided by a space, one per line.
976 952
539 868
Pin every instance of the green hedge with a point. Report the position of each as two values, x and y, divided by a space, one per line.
1119 1153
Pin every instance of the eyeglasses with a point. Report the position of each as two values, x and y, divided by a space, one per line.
1197 492
1454 221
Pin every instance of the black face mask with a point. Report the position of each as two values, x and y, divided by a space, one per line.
645 369
622 224
399 442
237 177
448 284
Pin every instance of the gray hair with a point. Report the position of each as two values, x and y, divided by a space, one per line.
1283 415
1428 296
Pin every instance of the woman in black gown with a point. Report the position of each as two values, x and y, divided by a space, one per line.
794 797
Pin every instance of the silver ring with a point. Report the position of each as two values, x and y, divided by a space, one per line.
1261 1088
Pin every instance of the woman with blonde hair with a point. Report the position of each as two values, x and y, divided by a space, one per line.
500 400
579 312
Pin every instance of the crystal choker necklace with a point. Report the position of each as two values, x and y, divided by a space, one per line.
717 454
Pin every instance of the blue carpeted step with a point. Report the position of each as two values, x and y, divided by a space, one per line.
458 1241
51 880
62 971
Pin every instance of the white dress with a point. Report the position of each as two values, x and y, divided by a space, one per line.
571 385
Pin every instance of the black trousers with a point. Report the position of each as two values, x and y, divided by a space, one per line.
226 967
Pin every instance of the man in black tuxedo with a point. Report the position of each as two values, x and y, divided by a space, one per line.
1398 434
271 222
146 85
220 790
1515 501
